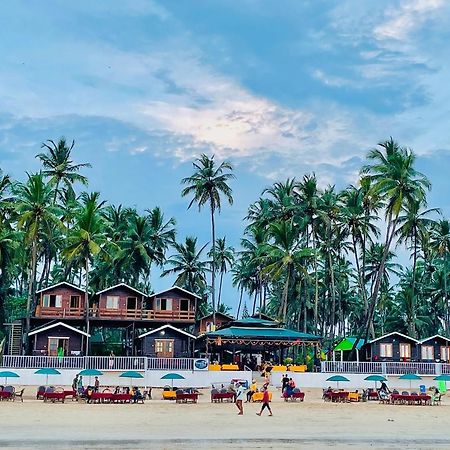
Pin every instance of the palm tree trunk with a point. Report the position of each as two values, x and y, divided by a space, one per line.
413 282
213 263
220 289
333 295
86 304
31 293
316 284
240 303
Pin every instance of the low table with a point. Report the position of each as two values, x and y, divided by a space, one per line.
185 398
221 396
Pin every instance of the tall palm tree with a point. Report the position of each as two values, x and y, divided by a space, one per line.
207 185
398 183
36 212
224 258
189 267
85 241
59 166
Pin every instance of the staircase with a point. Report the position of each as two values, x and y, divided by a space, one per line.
15 338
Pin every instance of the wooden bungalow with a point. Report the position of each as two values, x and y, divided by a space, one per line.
62 300
393 347
435 349
205 324
49 338
119 302
166 342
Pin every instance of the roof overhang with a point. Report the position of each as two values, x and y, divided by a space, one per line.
53 325
65 283
121 285
436 336
396 333
178 288
148 333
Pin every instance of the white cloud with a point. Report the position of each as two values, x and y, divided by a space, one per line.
400 22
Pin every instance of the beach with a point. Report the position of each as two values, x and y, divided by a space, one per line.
167 425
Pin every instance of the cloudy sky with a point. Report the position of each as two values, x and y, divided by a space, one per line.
280 88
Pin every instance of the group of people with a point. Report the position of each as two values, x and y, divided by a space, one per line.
287 386
77 385
242 394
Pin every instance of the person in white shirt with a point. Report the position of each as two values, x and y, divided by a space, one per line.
240 397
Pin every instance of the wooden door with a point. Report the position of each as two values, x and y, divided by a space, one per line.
164 348
57 342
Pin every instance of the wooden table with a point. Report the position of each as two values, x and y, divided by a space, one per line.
402 399
220 396
185 398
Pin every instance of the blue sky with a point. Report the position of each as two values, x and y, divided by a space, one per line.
279 88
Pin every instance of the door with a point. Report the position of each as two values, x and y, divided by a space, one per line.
164 348
54 343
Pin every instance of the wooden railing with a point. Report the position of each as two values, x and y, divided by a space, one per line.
52 311
385 368
145 314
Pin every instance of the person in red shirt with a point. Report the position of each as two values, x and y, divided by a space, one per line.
265 401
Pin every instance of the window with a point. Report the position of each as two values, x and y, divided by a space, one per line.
164 304
445 353
427 352
52 301
164 348
405 350
75 301
184 305
386 350
112 302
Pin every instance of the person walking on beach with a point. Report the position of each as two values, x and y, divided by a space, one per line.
75 383
240 397
96 384
265 401
284 383
80 385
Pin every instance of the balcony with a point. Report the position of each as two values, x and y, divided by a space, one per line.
52 312
144 314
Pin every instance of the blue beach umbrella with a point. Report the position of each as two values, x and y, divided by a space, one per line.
172 376
337 379
131 374
8 374
47 371
90 373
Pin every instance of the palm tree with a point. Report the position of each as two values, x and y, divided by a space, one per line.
207 185
224 258
36 212
397 183
187 264
85 240
59 166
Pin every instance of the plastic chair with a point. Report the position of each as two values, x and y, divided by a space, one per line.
423 389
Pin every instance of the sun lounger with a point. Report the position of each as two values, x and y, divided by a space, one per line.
40 393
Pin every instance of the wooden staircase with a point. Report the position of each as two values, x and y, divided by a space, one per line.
15 338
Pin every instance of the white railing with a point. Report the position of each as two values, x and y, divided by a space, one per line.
170 364
96 362
385 368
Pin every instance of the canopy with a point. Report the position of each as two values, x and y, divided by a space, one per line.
172 376
92 372
131 374
337 378
47 371
375 378
7 374
347 344
443 377
410 376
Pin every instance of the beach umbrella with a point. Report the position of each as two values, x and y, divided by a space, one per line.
410 377
375 378
90 373
7 374
47 371
337 378
131 374
172 376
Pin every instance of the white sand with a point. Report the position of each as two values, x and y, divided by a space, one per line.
165 424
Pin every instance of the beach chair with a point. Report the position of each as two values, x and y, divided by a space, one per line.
40 393
436 399
8 393
19 395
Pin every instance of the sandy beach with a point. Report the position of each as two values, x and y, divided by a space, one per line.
167 425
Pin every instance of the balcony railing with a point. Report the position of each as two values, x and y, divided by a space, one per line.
52 312
385 368
105 363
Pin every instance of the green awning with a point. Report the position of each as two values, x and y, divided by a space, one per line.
262 333
347 344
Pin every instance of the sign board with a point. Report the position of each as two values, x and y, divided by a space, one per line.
200 364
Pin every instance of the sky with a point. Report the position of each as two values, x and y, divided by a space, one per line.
279 88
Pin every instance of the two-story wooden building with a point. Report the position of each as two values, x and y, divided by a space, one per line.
119 307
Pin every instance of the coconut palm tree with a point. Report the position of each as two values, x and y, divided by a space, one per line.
86 240
36 212
207 185
59 166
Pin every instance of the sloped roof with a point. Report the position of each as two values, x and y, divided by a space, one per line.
121 285
434 337
178 288
263 333
254 322
53 286
56 324
395 333
148 333
348 343
217 314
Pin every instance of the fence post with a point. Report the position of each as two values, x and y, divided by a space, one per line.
438 368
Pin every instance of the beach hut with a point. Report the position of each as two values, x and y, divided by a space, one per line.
346 346
395 347
435 349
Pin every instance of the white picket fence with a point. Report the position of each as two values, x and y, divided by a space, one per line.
96 362
385 368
